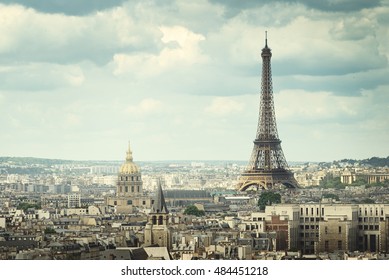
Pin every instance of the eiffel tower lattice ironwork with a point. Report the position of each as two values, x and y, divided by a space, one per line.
267 166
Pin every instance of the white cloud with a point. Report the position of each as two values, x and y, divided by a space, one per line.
72 120
181 50
189 72
223 106
40 76
145 107
292 105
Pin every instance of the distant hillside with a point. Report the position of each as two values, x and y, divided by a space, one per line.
32 160
374 161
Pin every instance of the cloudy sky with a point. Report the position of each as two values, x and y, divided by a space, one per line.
181 79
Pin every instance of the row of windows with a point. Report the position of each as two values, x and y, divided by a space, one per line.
309 227
254 226
309 234
316 227
315 211
370 219
326 230
128 178
327 247
369 227
371 211
126 189
129 202
307 220
311 211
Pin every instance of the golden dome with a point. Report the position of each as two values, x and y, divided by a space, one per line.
129 167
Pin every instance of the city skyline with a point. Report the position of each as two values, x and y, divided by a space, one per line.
181 81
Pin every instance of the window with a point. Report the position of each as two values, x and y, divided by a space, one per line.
340 229
339 244
306 211
326 245
325 230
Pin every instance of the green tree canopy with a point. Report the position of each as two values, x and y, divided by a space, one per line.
268 198
50 231
331 195
193 210
329 181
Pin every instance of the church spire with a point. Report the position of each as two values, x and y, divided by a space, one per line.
129 157
159 205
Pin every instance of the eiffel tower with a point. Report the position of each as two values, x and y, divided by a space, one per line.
267 166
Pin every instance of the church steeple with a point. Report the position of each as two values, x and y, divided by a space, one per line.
129 157
157 231
159 206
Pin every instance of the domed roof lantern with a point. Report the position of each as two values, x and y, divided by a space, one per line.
129 167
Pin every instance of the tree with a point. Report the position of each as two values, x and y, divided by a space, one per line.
50 231
25 206
331 195
329 181
268 198
368 201
193 210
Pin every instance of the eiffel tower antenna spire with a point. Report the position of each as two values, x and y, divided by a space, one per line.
267 166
